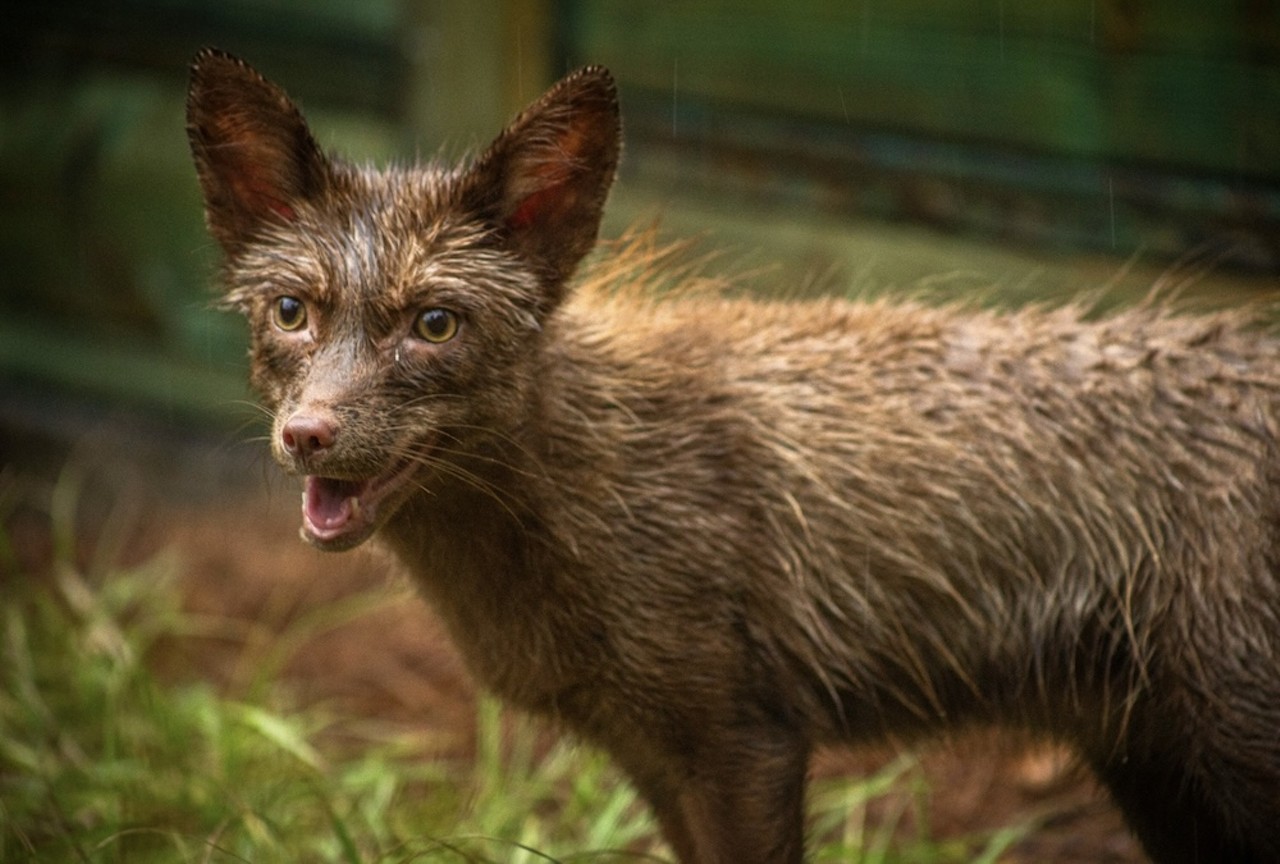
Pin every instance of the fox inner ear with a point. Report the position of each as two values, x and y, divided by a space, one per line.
544 181
254 154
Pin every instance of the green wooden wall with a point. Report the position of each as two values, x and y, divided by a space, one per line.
1182 83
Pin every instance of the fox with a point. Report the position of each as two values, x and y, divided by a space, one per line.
710 532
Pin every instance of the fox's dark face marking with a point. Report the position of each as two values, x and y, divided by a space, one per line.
351 277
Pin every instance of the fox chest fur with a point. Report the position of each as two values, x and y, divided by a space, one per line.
712 533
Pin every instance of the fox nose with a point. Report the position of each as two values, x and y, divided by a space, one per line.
306 435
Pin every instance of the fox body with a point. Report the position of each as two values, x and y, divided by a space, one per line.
710 534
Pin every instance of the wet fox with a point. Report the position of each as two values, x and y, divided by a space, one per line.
710 534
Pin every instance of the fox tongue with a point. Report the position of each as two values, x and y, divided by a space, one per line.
330 504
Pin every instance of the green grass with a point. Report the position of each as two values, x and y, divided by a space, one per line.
102 760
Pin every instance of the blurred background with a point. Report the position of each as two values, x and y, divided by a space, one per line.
1007 151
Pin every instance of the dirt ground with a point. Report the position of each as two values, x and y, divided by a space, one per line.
351 633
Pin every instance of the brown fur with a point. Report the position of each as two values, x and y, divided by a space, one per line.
710 534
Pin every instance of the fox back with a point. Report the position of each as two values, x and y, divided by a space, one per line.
710 534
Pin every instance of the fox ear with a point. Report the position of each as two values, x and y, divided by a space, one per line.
254 154
542 184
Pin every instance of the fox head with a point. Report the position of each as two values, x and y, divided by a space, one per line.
394 313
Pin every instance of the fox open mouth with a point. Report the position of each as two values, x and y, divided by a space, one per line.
340 514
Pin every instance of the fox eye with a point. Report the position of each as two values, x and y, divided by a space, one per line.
289 313
436 325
